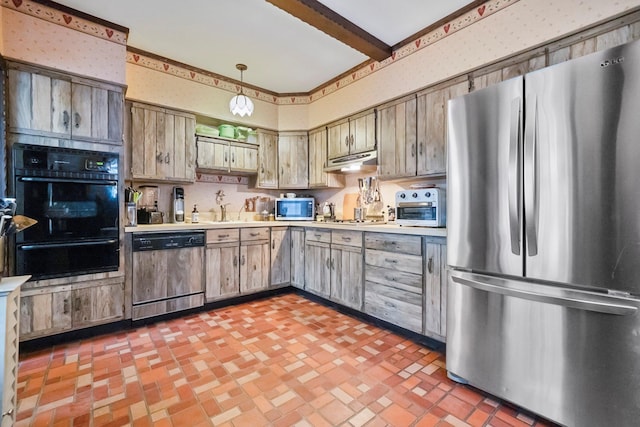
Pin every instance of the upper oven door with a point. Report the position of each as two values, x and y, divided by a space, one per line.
417 211
67 209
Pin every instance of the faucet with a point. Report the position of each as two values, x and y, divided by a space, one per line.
223 212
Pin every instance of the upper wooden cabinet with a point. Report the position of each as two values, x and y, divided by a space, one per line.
397 135
52 104
162 144
355 134
267 160
432 126
293 160
226 156
318 178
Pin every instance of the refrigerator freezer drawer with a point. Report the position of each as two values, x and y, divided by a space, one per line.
571 356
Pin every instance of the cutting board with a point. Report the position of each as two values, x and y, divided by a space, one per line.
350 201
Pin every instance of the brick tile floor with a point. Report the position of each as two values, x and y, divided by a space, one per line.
282 361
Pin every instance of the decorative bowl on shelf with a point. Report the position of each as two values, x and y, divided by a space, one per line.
227 131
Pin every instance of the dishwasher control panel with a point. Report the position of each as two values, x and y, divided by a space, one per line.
167 240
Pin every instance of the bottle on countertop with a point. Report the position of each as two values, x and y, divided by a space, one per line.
195 215
391 213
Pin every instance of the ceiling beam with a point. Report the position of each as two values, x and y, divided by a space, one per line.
326 20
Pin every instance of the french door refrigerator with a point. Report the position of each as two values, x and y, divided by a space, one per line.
544 240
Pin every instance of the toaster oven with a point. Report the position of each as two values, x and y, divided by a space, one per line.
423 208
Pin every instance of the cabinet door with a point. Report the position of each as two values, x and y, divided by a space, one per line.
432 128
38 104
346 276
9 306
397 134
213 154
97 304
297 258
222 271
144 159
243 158
363 133
318 178
267 160
293 163
280 257
338 139
254 267
435 289
45 313
317 269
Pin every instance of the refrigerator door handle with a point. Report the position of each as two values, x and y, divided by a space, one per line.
514 175
585 302
531 175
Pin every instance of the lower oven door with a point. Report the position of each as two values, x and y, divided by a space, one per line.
59 259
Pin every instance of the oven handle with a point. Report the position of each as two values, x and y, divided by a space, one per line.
61 244
73 181
415 204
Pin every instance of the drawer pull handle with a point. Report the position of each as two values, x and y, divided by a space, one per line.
235 261
254 234
223 236
65 306
391 261
65 119
242 260
273 244
8 413
77 116
430 265
346 239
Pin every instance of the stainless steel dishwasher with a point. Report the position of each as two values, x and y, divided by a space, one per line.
167 272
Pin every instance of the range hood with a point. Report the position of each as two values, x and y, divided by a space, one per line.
359 162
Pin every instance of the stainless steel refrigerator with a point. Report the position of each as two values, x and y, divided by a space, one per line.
544 240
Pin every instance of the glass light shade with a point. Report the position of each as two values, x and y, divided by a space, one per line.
242 105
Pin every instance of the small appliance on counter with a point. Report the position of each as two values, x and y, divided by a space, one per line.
178 205
421 207
147 212
298 209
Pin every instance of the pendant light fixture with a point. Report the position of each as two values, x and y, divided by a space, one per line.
241 104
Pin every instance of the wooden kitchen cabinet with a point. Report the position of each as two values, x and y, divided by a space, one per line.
394 279
317 262
346 268
267 160
432 126
435 289
280 256
255 260
355 134
162 144
55 309
297 257
318 178
220 155
222 264
47 103
293 160
397 155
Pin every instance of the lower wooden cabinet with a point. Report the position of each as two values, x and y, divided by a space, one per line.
317 263
222 264
56 309
346 268
255 260
297 257
435 279
394 279
280 256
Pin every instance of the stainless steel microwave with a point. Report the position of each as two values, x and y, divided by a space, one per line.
296 209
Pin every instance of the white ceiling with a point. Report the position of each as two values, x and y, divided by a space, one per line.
283 54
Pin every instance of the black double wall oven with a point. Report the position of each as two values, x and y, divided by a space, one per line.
73 194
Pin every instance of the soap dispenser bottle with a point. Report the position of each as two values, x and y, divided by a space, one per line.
195 214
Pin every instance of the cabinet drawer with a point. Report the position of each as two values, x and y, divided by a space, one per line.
347 238
223 235
259 233
322 236
404 244
394 261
